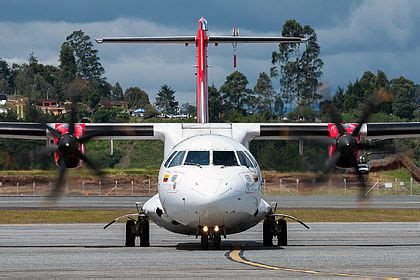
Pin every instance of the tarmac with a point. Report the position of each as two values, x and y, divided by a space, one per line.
128 202
327 250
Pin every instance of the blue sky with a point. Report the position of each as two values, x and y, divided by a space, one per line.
355 36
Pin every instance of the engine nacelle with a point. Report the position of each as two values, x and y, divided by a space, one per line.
66 145
346 159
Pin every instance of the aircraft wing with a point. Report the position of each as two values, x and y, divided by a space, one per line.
280 131
36 131
392 130
21 130
290 131
295 131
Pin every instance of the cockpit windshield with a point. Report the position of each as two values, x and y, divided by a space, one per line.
244 160
170 158
226 158
197 158
177 159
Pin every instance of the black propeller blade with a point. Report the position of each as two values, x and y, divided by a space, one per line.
347 144
68 148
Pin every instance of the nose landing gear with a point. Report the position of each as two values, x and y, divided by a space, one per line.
210 236
139 228
135 228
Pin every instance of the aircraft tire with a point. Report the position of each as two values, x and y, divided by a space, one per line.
144 235
217 240
130 238
282 235
204 241
267 233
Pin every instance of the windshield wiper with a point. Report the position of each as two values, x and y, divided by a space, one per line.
193 163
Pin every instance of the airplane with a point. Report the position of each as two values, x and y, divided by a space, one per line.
209 184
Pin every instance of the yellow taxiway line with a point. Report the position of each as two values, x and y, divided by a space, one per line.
237 256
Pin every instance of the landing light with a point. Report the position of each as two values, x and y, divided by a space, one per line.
216 228
205 229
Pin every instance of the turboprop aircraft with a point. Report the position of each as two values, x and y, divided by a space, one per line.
209 182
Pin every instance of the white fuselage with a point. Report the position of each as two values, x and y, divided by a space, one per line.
208 180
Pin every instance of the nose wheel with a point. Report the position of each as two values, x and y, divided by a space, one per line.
211 238
204 241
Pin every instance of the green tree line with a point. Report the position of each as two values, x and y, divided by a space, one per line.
289 92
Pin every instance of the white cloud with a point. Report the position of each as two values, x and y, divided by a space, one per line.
378 34
375 25
146 66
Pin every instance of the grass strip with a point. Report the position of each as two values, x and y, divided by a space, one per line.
306 215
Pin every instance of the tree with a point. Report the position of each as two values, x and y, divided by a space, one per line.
165 100
303 113
286 62
117 92
188 109
381 80
382 83
150 111
338 99
95 91
136 98
6 78
87 60
216 106
299 74
36 81
266 97
110 115
309 70
68 68
235 94
404 103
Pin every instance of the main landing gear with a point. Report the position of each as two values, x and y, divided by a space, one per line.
139 228
210 236
135 228
272 228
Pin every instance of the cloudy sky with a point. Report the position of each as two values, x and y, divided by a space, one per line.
355 36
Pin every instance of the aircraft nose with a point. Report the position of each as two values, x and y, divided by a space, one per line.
211 187
210 198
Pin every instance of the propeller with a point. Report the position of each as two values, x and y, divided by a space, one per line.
347 144
69 148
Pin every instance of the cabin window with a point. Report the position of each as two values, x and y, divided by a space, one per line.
170 158
226 158
197 158
244 160
177 159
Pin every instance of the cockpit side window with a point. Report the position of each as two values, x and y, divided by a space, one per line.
244 160
197 158
170 158
254 162
177 159
226 158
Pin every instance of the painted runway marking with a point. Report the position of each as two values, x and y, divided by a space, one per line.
237 256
